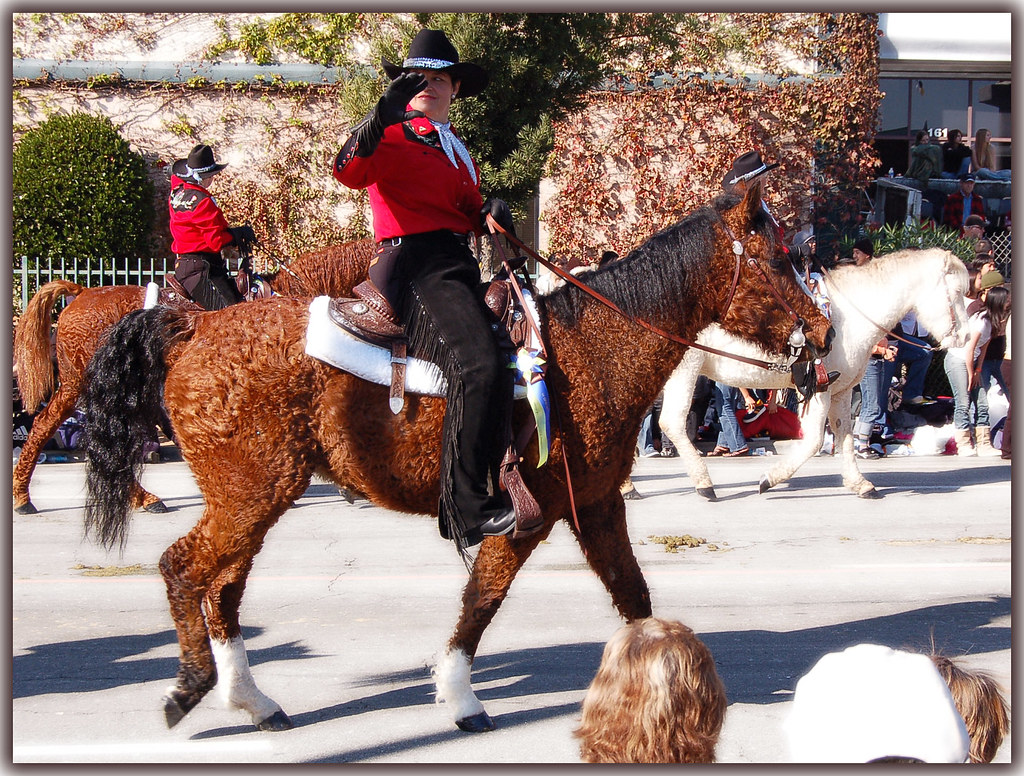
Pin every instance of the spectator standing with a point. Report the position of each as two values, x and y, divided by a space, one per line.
873 388
963 368
1007 369
731 442
916 355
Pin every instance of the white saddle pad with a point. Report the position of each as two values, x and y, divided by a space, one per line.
328 342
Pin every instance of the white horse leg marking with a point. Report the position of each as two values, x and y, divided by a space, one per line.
452 678
813 426
235 685
843 427
674 409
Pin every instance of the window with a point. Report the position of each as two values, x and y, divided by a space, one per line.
940 104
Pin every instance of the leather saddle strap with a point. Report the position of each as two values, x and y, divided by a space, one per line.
513 280
528 515
398 362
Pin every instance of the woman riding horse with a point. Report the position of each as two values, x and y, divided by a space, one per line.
199 231
426 203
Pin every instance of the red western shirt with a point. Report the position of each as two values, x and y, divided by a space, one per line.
412 184
197 223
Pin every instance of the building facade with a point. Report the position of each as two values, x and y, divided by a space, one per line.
939 72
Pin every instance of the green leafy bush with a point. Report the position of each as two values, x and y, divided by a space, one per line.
79 191
914 235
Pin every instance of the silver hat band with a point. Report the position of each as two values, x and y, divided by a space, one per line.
747 176
426 63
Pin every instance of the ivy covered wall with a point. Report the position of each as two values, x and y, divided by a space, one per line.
636 161
629 164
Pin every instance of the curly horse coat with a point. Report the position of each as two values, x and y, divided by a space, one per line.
256 418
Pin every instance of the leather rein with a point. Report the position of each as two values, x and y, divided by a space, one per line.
739 249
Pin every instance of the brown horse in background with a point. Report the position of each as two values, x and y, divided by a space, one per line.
256 418
333 270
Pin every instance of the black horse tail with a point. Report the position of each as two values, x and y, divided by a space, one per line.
123 402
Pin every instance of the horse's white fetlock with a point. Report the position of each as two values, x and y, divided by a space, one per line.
454 688
236 687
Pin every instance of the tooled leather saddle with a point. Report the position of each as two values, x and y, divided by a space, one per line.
369 316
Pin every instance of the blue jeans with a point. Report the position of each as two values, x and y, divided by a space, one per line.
645 441
725 400
969 407
874 396
993 370
917 361
985 174
965 167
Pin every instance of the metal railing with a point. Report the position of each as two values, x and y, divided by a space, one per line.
31 274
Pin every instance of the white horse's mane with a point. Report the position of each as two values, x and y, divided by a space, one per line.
881 269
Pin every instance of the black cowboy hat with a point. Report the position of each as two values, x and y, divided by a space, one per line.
200 162
746 167
431 50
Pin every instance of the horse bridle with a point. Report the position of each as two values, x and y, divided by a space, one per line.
569 278
797 338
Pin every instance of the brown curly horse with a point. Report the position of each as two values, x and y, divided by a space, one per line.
256 418
333 270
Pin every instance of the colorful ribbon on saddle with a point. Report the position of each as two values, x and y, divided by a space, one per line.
530 365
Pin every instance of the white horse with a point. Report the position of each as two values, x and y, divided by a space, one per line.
867 302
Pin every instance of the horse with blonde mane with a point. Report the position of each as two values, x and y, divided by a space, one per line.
867 302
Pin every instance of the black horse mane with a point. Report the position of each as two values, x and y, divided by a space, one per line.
653 277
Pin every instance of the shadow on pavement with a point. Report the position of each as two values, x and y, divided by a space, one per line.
93 665
758 666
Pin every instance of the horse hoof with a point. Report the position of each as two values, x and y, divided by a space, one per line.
764 486
157 507
348 495
173 712
276 722
632 495
708 493
870 494
26 509
478 723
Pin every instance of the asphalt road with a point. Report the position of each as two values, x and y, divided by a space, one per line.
348 603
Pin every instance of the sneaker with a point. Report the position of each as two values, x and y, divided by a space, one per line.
919 401
651 453
669 452
754 414
868 454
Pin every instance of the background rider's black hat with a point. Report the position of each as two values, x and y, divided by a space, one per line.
200 164
431 50
746 167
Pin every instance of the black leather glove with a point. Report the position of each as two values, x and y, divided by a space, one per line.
498 210
244 237
390 109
